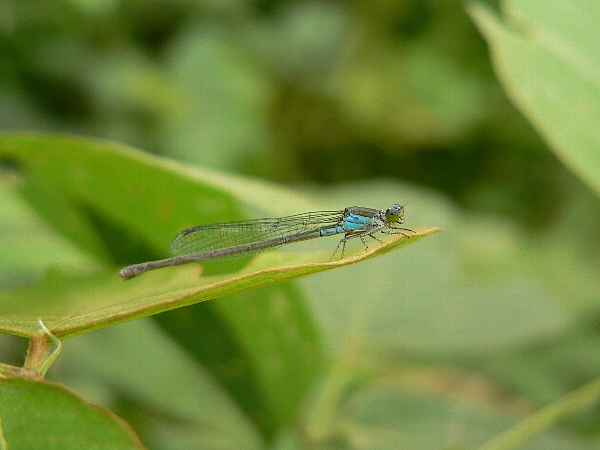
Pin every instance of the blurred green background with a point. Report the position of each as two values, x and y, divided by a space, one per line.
296 92
339 100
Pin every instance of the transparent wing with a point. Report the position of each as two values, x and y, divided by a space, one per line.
207 237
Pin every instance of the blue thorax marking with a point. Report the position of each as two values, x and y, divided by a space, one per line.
353 222
356 221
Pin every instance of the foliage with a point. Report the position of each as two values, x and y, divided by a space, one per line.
485 334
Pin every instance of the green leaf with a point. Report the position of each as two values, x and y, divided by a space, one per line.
171 400
29 410
30 246
547 58
123 206
104 197
116 203
72 306
264 346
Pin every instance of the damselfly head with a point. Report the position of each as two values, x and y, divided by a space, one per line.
394 214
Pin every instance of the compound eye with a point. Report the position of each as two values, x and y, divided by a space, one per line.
392 214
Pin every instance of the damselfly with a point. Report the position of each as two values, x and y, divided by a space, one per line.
228 239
